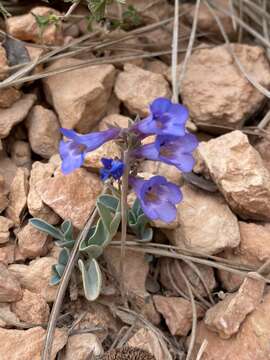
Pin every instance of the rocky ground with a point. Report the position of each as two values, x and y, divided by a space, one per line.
208 299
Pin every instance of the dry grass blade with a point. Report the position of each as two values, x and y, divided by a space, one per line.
175 52
202 350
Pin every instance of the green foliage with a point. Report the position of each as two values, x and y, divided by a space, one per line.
138 223
43 21
97 7
59 268
130 19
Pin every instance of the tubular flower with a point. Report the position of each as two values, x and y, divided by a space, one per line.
112 168
172 150
165 118
74 150
157 197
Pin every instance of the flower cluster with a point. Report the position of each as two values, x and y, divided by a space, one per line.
173 145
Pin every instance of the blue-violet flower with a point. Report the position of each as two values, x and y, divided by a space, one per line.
157 197
172 150
112 168
74 150
165 118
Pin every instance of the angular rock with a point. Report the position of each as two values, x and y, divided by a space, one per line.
71 197
10 289
226 317
15 114
108 150
7 317
5 225
18 196
224 97
7 174
28 344
21 154
9 253
238 170
25 27
156 66
36 277
113 120
159 168
36 207
3 63
8 96
251 342
32 308
80 100
43 131
206 223
177 313
137 88
81 346
32 242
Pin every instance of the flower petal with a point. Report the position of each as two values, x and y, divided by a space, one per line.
173 192
148 151
160 105
167 212
71 158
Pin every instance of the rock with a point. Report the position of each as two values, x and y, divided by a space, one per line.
177 313
28 344
113 105
25 27
80 100
113 120
7 174
239 172
149 341
18 196
173 267
5 225
3 63
10 289
137 88
156 66
81 346
160 168
36 277
43 131
108 150
15 114
32 242
9 253
206 223
251 342
71 197
32 308
3 202
8 96
224 97
36 207
7 317
21 154
226 316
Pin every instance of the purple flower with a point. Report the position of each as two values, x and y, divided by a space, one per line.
74 150
114 168
157 197
165 118
172 150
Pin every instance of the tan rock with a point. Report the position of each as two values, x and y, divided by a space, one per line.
43 131
80 100
21 154
224 97
3 63
36 207
177 313
81 346
113 105
25 27
206 223
10 289
32 308
7 174
5 225
3 202
137 88
18 196
108 150
238 170
15 114
8 96
77 201
9 253
251 342
7 317
28 344
36 277
159 168
113 120
156 66
32 242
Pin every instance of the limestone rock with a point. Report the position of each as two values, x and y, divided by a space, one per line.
10 289
8 96
137 88
21 154
7 317
108 150
9 253
238 170
25 27
71 196
80 100
32 242
32 308
3 63
36 277
206 222
43 131
177 313
224 97
18 196
81 346
160 168
113 120
28 344
15 114
7 174
5 225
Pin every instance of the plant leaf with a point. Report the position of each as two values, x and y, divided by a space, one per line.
47 228
92 279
